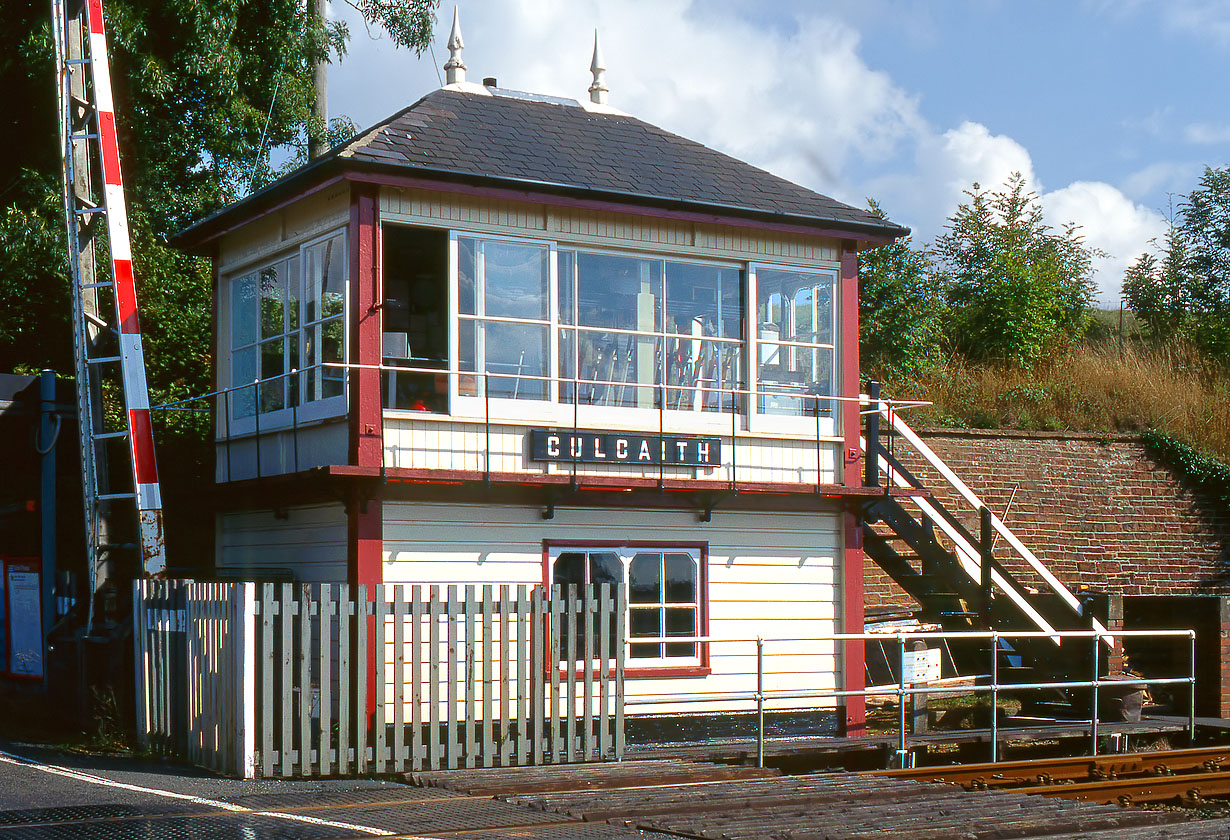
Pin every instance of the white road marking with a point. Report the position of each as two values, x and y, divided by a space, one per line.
9 758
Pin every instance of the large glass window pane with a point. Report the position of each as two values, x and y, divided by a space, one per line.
680 574
273 300
273 385
681 621
605 567
569 570
794 308
515 279
619 369
619 292
520 352
645 579
243 373
324 279
244 311
645 623
566 272
567 364
467 275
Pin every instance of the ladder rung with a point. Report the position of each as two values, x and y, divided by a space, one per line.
103 360
85 211
77 61
110 497
100 284
110 435
86 136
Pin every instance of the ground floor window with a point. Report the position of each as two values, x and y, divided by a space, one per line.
665 588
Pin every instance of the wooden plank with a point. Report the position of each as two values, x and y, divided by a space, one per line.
379 632
621 653
416 677
265 670
326 610
452 614
286 606
399 678
535 676
304 654
487 747
344 610
522 617
190 676
362 611
555 656
571 609
590 605
604 671
433 683
469 675
505 669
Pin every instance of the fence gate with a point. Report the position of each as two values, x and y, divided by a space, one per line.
309 680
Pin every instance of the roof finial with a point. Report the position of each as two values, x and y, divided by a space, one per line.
598 90
455 68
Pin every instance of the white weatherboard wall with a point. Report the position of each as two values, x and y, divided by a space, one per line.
773 575
309 540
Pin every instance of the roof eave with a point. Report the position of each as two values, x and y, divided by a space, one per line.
326 170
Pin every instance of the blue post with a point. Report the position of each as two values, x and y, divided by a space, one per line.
48 432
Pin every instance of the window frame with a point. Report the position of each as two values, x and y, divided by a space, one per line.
554 409
299 411
804 424
698 666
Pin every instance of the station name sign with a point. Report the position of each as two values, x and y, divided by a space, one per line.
618 448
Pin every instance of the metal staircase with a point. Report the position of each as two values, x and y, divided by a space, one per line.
933 554
122 499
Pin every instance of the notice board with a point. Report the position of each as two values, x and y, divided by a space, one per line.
23 617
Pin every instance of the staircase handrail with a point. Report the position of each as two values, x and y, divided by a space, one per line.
974 558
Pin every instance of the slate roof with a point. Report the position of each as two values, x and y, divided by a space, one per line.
557 142
551 144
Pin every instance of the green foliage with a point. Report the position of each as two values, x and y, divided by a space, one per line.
900 309
1205 474
409 24
1018 291
1182 291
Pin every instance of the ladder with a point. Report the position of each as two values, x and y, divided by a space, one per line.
122 499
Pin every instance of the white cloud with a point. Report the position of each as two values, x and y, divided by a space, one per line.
798 100
1109 221
1205 134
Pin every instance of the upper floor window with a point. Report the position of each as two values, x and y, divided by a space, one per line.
795 347
286 325
584 331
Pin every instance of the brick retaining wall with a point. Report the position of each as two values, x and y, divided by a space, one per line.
1099 512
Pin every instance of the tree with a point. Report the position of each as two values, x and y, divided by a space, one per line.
1158 287
900 308
204 91
1018 292
1183 291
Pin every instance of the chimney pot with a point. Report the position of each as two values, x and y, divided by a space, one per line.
490 81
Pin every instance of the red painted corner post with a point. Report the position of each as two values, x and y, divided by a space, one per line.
365 516
854 671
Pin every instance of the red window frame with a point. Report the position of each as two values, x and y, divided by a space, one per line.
635 672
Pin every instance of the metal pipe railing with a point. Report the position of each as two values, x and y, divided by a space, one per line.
903 689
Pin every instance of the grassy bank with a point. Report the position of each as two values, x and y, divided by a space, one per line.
1094 387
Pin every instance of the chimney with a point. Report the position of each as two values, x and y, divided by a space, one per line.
490 81
598 90
455 68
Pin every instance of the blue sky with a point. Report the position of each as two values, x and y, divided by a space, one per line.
1109 107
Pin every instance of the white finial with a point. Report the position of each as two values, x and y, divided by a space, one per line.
598 90
455 68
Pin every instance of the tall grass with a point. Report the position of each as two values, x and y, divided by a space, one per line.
1095 387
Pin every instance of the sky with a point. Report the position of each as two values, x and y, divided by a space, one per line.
1111 109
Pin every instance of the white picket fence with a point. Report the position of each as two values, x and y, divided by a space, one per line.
331 680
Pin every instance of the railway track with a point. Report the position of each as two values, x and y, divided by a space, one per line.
1172 776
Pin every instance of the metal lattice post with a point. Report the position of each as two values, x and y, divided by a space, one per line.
108 353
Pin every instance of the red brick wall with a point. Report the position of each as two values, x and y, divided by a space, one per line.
1099 512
